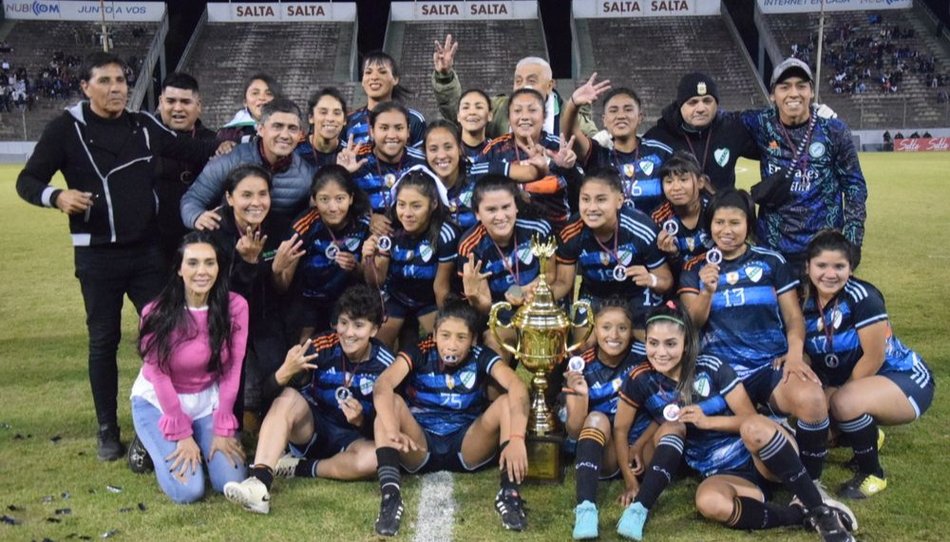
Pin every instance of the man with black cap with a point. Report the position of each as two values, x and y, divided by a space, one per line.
694 123
812 179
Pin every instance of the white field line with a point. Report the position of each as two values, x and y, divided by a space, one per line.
436 508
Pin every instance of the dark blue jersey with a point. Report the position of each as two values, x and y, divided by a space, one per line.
707 451
832 340
335 370
357 125
413 264
745 324
548 196
514 263
604 381
319 277
828 189
690 242
595 261
639 171
472 153
445 399
460 196
316 158
376 177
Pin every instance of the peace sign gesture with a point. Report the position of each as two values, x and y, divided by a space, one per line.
565 157
590 91
250 245
444 56
347 157
472 277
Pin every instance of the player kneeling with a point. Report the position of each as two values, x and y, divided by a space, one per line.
446 422
328 422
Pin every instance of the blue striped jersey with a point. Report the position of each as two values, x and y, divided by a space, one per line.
516 255
413 263
319 277
376 177
639 171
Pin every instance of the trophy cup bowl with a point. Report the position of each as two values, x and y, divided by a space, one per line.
542 330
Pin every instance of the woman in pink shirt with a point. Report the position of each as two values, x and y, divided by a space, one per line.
193 339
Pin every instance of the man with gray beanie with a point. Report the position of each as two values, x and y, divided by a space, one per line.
694 123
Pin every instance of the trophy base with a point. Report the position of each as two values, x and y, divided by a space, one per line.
545 463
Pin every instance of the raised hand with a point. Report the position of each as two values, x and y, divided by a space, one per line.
565 157
590 91
472 276
443 59
347 157
250 245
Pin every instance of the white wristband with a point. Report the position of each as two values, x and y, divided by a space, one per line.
653 280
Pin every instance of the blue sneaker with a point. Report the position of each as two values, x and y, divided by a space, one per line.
632 521
585 521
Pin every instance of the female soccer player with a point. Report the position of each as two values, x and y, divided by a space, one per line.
192 342
679 217
615 248
326 112
328 418
707 417
591 401
381 84
870 376
444 421
416 264
259 89
745 301
444 154
635 159
473 116
329 239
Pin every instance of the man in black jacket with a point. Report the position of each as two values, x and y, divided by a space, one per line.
106 155
694 123
179 107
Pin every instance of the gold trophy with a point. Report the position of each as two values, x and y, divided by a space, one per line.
543 331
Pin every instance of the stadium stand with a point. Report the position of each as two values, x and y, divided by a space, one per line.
302 57
912 103
657 51
488 52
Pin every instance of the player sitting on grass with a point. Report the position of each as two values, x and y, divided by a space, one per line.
328 422
445 421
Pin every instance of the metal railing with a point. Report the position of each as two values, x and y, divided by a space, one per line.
144 81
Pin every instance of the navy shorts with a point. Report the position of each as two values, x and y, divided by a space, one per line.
329 437
399 309
760 384
918 387
445 453
748 472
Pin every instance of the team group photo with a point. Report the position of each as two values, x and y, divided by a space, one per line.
474 270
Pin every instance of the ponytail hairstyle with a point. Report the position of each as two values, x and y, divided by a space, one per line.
424 182
675 313
338 174
831 241
170 314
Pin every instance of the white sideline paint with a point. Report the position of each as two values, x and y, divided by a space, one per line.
436 508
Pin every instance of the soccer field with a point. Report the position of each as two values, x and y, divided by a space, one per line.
51 482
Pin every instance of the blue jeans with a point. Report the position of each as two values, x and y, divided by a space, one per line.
145 418
106 275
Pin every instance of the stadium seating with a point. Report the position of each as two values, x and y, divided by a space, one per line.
657 51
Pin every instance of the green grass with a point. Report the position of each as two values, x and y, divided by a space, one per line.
44 393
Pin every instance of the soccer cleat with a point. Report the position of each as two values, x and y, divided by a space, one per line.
585 521
109 446
828 523
252 494
286 466
510 506
822 490
862 486
139 460
632 520
848 519
390 515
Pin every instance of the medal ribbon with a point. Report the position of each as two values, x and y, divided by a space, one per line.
706 151
615 162
504 260
829 327
382 178
800 158
614 253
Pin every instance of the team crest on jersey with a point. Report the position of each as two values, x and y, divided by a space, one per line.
616 383
629 171
721 156
626 257
702 386
836 317
425 251
524 254
604 259
816 149
351 243
646 167
467 378
690 244
366 386
754 273
732 277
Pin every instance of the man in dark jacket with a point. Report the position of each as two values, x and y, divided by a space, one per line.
106 155
694 123
179 107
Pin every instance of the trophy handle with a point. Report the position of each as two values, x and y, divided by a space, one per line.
588 322
494 323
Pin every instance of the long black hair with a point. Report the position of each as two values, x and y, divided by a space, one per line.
453 130
424 183
170 316
674 313
338 174
831 241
